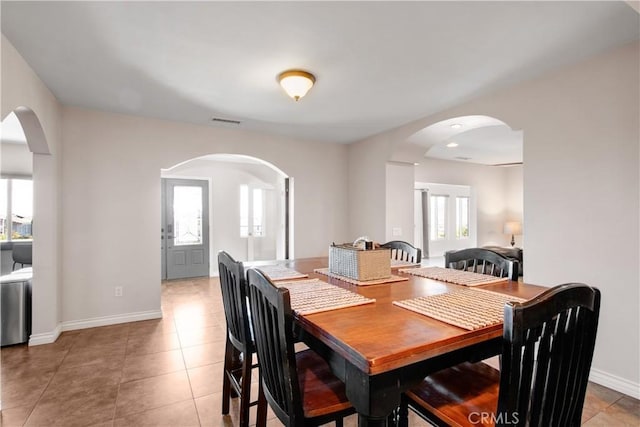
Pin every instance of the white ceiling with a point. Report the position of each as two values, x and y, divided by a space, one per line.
378 64
478 139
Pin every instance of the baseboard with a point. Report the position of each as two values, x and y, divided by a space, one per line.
615 383
45 338
111 320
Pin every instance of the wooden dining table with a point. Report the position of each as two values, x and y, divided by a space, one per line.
380 350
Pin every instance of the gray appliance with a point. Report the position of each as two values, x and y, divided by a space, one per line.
15 307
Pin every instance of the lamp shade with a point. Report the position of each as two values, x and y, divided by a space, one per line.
296 83
513 228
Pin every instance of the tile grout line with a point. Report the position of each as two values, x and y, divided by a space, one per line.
26 421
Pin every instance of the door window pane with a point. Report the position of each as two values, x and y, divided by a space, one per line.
21 208
187 215
438 214
462 217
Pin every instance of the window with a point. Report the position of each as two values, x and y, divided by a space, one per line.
16 209
462 217
251 211
187 214
438 220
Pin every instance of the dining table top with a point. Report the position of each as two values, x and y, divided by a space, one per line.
380 336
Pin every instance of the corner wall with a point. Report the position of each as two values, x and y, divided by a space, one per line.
21 87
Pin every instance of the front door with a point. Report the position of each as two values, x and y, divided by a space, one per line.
186 228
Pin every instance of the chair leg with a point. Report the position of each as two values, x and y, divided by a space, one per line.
403 413
245 399
261 418
227 390
339 422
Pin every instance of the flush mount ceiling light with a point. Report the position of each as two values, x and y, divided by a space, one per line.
456 126
296 83
452 144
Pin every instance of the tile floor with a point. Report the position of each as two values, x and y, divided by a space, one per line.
164 372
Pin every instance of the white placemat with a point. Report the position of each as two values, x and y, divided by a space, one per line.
466 308
390 279
314 296
277 272
451 275
396 263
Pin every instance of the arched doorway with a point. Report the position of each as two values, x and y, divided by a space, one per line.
248 203
467 182
25 151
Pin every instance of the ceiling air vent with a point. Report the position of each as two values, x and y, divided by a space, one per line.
462 158
225 121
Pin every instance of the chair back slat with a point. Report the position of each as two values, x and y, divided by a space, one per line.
234 299
273 328
403 251
549 344
484 261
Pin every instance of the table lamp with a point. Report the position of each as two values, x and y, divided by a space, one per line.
514 228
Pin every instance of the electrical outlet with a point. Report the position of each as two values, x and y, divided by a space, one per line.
396 231
118 291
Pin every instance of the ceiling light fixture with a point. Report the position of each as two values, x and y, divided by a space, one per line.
296 83
456 126
452 144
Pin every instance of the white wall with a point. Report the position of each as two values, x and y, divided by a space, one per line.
399 202
489 189
515 198
16 160
111 179
367 189
581 190
21 87
225 179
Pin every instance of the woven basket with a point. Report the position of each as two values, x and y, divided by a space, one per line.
349 261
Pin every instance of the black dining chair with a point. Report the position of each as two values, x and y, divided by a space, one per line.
484 261
403 251
298 386
239 350
21 252
548 345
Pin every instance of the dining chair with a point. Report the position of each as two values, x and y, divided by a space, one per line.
480 260
298 386
548 345
403 251
21 252
239 347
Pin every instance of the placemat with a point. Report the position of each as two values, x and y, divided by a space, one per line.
390 279
314 296
451 275
396 263
277 272
463 307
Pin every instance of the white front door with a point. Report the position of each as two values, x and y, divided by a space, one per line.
186 228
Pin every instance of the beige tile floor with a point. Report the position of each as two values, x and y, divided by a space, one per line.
165 372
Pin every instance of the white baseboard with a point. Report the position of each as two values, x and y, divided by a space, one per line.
45 338
111 320
615 383
50 337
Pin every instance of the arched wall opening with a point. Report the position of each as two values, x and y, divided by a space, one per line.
250 209
481 155
23 145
